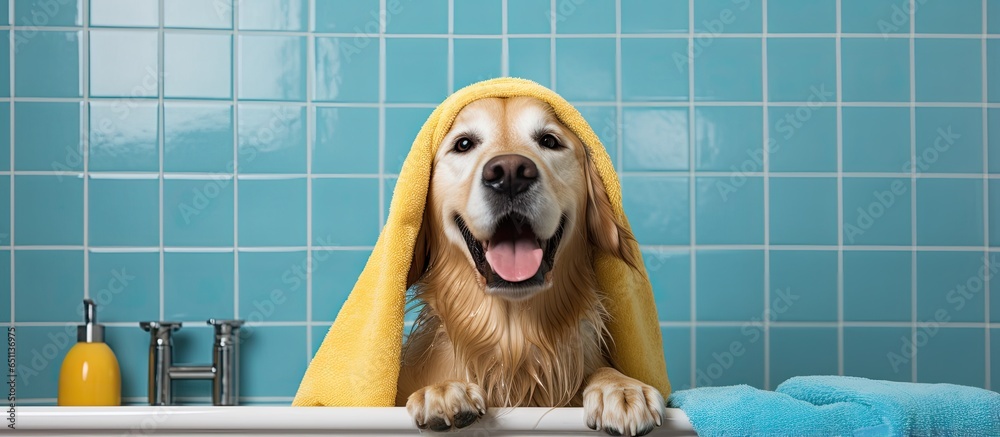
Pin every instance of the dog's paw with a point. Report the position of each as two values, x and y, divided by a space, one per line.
621 405
439 407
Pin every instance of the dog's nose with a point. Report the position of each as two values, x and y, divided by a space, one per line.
510 174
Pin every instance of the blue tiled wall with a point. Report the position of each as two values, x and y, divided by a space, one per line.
815 183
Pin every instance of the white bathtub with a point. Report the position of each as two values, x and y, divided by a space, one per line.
283 421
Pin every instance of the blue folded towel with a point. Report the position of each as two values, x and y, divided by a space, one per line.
844 406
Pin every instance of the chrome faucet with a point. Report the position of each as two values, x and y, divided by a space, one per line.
224 370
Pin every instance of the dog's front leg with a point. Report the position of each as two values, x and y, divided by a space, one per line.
621 405
444 405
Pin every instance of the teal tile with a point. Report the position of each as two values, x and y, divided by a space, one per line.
353 16
345 70
131 348
42 13
124 13
802 352
48 285
114 75
950 212
5 286
197 66
528 58
48 210
994 351
877 286
798 16
198 213
949 140
401 127
655 139
875 69
804 285
730 285
729 356
803 140
729 69
287 15
205 278
728 16
388 189
272 139
993 12
677 353
331 226
416 70
125 286
603 120
273 286
879 353
345 140
272 67
529 16
39 355
729 138
585 69
993 68
669 273
124 138
334 275
4 11
431 17
272 212
594 16
665 222
651 71
48 137
273 359
951 284
874 16
730 210
198 137
877 211
124 212
956 16
993 124
948 70
654 16
994 213
198 14
318 334
47 64
5 210
478 17
798 68
937 363
5 136
476 60
4 54
803 211
876 139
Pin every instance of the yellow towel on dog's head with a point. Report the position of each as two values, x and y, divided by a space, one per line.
359 360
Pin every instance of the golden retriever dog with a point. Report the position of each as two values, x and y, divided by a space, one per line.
511 313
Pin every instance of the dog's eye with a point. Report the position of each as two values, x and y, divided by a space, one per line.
549 141
464 144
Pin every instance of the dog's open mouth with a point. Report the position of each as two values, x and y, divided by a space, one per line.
514 258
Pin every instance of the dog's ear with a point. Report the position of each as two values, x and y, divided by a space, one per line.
603 227
418 265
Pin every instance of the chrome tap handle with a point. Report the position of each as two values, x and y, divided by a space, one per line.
226 361
161 357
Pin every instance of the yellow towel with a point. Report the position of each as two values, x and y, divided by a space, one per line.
358 362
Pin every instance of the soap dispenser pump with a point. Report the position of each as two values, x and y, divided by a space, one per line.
90 375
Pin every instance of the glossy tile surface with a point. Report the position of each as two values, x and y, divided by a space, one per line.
796 160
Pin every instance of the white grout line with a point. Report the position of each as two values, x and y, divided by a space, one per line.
840 193
619 117
234 77
451 46
552 44
310 143
84 133
986 197
161 145
13 289
693 249
505 41
767 199
278 176
913 195
381 113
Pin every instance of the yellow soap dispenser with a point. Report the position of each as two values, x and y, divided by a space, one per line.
89 375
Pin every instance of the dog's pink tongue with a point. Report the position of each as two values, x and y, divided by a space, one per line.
515 259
